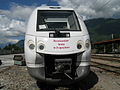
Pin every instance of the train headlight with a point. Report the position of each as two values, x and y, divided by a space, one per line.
31 44
87 43
41 46
80 45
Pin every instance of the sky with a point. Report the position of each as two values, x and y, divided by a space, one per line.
14 14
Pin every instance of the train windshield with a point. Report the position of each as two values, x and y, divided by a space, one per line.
57 20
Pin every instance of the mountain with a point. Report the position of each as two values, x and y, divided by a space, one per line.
20 44
102 29
2 45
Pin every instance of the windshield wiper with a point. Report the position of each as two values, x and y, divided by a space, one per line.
55 29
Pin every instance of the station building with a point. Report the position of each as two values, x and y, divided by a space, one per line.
107 46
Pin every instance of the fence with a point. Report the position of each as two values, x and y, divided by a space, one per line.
5 52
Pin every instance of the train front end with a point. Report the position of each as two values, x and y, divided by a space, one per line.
57 46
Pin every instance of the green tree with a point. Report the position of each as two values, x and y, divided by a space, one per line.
12 47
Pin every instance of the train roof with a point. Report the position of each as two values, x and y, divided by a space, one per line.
53 8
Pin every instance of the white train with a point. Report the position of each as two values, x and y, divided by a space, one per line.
57 46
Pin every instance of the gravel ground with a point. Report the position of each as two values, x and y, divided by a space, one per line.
106 80
17 78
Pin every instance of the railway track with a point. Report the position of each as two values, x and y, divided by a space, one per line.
107 63
107 58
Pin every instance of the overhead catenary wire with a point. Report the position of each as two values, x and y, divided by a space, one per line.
107 2
101 7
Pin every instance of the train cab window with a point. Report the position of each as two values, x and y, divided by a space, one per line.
57 20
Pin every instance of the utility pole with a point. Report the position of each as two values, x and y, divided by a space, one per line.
112 43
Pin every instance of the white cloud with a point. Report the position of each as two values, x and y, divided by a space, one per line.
8 40
93 8
13 22
11 27
18 12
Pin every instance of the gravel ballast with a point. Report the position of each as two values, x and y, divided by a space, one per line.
17 78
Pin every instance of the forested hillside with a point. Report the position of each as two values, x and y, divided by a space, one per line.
102 29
